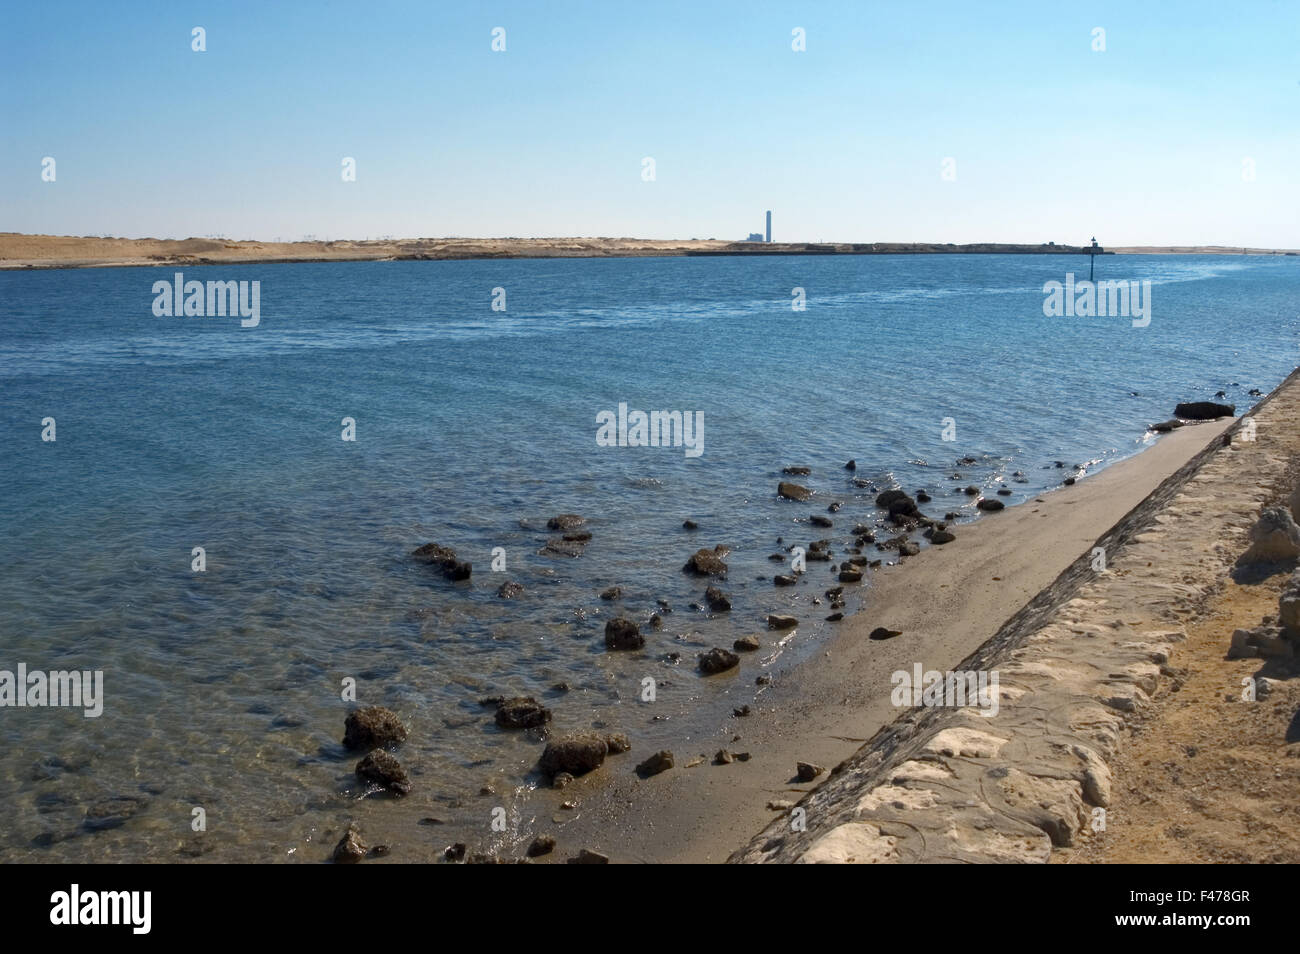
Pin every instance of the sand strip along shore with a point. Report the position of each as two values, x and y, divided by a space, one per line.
947 600
19 251
1079 662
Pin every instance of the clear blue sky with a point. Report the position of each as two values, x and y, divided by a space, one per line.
1140 144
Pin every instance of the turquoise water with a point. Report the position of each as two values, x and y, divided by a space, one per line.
473 427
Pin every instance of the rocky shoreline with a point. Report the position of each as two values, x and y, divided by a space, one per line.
1078 662
898 530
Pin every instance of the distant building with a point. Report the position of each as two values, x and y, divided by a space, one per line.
769 225
755 237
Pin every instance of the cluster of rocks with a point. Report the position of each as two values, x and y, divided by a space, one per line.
571 541
375 728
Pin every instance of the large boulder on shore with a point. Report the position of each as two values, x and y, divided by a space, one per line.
1204 410
577 754
704 562
1274 538
372 727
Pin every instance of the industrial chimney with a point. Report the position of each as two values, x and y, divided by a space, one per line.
769 225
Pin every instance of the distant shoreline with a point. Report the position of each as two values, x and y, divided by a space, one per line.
20 251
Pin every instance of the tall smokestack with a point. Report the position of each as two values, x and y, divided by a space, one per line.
769 225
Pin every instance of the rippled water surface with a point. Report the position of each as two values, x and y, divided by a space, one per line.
473 427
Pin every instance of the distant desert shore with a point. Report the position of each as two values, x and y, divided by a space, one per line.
21 251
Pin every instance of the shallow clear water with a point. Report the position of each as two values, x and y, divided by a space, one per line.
473 427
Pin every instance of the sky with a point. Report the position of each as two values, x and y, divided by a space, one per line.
899 122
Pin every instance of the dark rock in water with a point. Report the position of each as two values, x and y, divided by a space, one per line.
1004 491
661 761
522 712
792 491
862 530
806 771
784 579
968 460
578 536
797 471
690 525
746 644
445 559
763 679
834 507
565 521
1255 392
617 743
586 857
834 617
656 621
952 515
818 520
1204 410
705 562
622 633
350 848
112 812
972 490
372 727
850 576
455 852
851 465
433 553
385 771
776 557
881 633
577 754
561 780
542 845
510 589
991 506
558 546
718 601
942 536
909 548
1220 394
613 593
1164 427
886 499
718 660
923 497
1069 481
779 621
